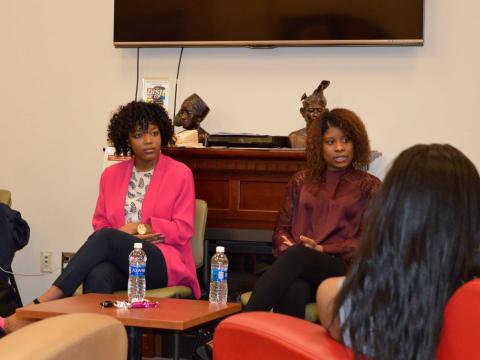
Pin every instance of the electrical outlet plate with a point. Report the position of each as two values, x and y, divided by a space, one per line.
46 261
66 257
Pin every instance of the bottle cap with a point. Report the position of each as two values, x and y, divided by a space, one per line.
137 245
220 249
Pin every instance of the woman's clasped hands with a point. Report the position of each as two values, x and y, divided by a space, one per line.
305 240
154 238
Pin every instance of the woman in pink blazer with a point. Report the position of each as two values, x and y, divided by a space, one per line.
148 199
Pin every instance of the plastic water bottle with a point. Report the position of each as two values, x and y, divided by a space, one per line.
219 277
136 278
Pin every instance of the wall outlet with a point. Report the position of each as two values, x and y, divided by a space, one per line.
66 257
46 261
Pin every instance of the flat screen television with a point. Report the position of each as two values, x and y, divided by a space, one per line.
265 23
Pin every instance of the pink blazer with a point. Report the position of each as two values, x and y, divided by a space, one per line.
169 205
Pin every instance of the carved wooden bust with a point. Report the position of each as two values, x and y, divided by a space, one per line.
191 114
313 107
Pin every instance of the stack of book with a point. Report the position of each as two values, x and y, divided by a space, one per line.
188 138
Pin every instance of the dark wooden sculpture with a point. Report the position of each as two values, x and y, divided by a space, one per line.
191 114
313 107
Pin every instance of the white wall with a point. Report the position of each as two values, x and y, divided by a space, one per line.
61 77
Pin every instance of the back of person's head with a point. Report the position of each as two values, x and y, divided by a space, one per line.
420 241
352 126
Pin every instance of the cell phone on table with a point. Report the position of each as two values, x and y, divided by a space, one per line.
106 303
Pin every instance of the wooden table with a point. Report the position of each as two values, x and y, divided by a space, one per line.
172 314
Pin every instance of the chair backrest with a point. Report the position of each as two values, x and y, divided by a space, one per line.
272 336
5 197
74 337
198 239
460 334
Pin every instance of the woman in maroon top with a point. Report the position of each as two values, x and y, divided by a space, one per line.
319 224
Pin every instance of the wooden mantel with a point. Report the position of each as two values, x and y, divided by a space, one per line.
244 188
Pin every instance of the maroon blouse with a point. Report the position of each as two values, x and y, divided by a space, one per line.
329 210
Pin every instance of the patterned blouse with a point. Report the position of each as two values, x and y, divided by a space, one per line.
137 188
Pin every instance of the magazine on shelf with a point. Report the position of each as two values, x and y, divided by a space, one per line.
156 90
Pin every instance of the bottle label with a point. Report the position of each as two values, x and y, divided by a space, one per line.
219 275
137 270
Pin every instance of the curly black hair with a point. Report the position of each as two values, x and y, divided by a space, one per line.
354 129
138 113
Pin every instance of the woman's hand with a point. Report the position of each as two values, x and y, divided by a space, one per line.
310 243
153 238
130 228
286 241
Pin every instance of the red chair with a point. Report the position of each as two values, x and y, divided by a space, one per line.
460 336
270 336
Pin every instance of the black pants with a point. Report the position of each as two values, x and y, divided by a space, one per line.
102 264
292 281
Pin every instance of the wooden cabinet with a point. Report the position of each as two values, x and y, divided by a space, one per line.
244 188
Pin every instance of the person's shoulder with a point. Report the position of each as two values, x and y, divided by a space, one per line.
368 183
370 178
297 180
117 168
299 177
175 166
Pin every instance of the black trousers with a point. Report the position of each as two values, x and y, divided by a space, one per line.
292 280
102 264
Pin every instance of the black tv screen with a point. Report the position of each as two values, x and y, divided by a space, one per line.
143 23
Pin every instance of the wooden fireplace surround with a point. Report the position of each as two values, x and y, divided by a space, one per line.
243 188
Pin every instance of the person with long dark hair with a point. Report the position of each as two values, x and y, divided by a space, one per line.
421 241
149 199
319 223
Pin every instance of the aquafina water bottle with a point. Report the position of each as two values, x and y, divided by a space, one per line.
219 277
136 278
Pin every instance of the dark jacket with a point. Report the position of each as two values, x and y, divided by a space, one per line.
14 235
